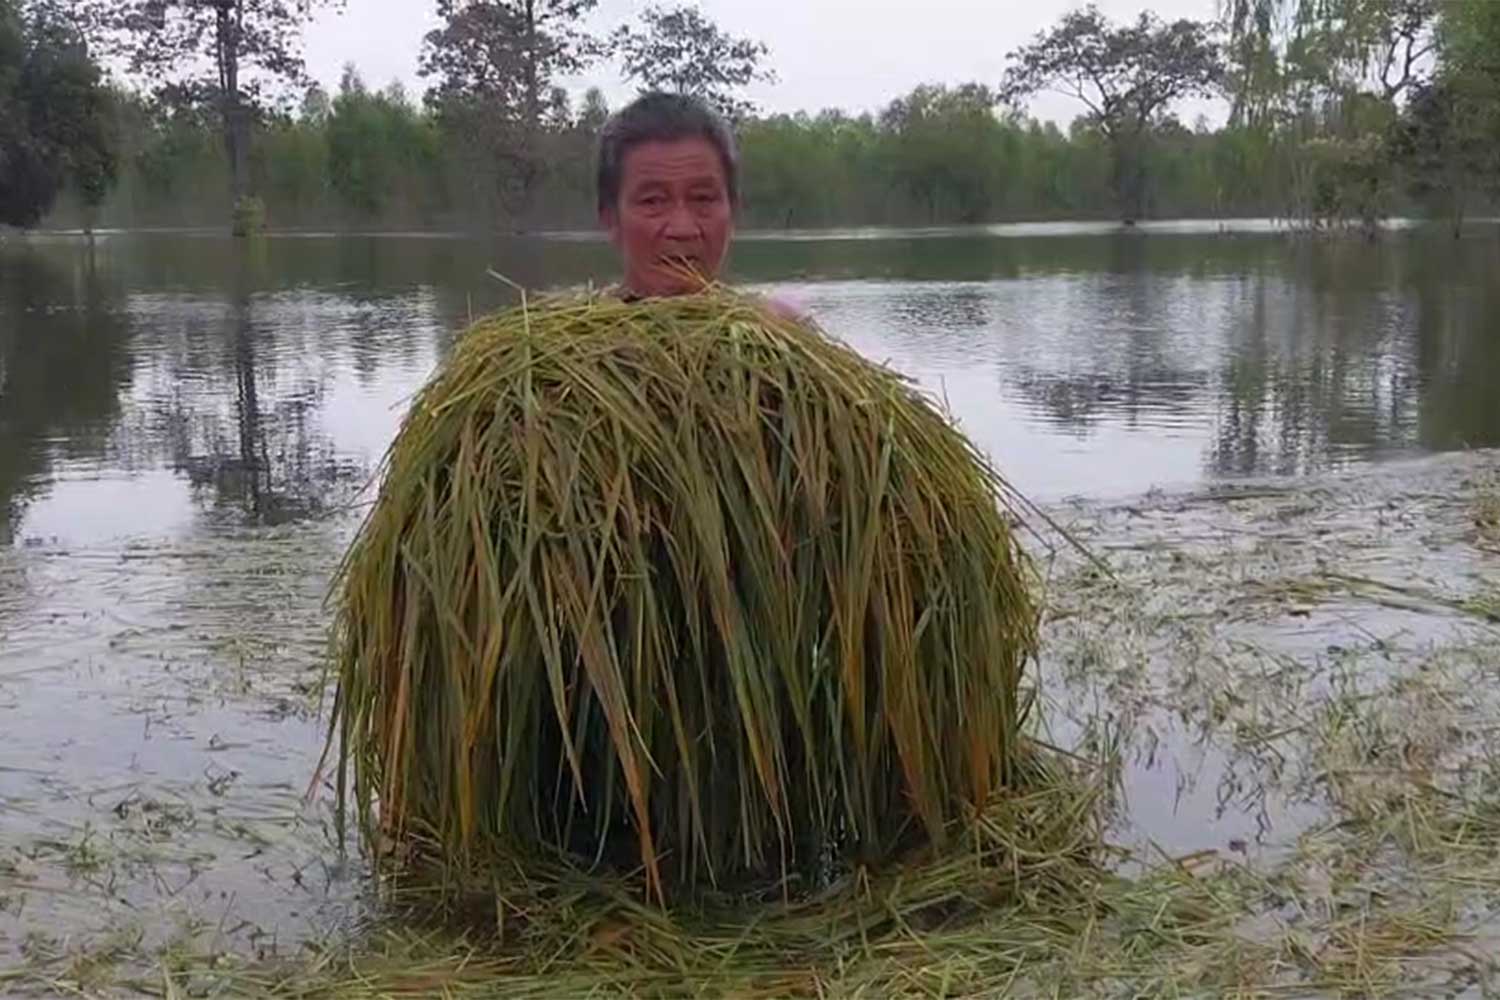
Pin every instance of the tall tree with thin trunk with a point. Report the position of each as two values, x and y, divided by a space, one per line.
236 57
1128 77
494 65
509 51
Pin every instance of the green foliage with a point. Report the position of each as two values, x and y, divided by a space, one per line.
248 217
180 167
813 171
1319 140
231 58
1323 83
494 66
679 49
1127 77
1344 181
1294 57
948 148
1448 140
380 152
1470 36
53 118
1448 145
291 167
684 586
936 156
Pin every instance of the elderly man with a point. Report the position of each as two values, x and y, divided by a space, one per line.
669 190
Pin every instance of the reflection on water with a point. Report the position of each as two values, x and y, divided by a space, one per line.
65 360
137 402
188 377
1258 359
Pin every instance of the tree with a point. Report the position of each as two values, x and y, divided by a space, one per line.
678 49
1324 82
378 146
1127 77
494 63
53 117
947 149
794 162
1446 146
594 113
506 52
1448 140
27 187
1469 33
1288 56
252 49
316 107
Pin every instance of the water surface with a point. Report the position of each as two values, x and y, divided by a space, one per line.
187 423
154 382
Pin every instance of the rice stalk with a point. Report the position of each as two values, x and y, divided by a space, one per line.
683 586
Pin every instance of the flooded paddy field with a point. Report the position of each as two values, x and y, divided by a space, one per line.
1277 664
1292 686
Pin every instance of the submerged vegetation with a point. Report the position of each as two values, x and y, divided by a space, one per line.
1277 790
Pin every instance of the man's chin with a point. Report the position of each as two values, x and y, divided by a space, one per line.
665 285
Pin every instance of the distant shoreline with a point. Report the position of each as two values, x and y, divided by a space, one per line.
1060 228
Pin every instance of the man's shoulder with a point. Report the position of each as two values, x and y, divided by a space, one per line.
786 308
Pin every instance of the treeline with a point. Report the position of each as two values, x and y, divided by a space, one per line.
1342 112
376 159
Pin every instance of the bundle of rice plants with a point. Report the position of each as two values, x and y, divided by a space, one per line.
682 586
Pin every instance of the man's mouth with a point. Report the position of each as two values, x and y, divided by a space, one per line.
680 262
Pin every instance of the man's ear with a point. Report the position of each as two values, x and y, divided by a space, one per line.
609 220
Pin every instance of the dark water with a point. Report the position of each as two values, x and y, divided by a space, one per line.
185 423
160 379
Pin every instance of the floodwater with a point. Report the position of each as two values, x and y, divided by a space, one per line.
158 381
187 425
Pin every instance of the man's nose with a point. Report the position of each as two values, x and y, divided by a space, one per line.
680 223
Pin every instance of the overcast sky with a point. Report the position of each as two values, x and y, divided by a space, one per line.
851 54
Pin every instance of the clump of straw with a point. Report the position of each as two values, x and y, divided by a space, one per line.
684 587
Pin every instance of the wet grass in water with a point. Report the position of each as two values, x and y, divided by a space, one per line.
1363 731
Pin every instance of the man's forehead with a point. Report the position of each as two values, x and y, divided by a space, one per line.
676 159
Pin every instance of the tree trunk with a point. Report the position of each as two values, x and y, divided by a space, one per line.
531 116
533 111
1129 176
247 410
1456 210
235 115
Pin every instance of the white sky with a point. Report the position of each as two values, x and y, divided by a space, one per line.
851 54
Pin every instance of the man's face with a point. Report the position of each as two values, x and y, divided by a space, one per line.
673 212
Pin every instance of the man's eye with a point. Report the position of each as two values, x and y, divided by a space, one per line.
705 198
653 200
